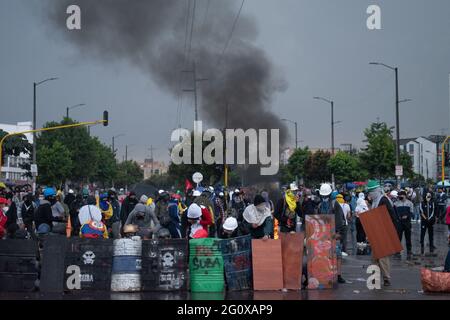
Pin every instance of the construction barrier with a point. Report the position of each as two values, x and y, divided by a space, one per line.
126 269
237 258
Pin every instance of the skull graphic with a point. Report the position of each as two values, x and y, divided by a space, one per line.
167 260
88 257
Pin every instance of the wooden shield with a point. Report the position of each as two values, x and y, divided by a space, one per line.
267 265
381 232
292 252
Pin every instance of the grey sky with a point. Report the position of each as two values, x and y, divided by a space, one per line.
322 47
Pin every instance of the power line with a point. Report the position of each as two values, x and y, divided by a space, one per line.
232 31
192 30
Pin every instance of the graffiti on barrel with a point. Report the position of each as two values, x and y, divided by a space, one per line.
164 265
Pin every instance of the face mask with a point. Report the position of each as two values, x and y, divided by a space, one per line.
401 198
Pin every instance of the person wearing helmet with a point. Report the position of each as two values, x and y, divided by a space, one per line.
257 219
393 196
405 211
237 205
231 229
195 217
69 198
44 214
205 201
288 209
378 199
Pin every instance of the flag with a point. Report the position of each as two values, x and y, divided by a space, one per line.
188 185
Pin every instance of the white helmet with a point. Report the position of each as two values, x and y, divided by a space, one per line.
293 186
194 211
394 194
196 193
230 224
325 189
71 191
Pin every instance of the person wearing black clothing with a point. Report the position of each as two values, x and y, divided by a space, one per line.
405 211
232 229
43 214
441 204
286 212
115 219
69 198
427 215
127 206
11 225
74 210
28 208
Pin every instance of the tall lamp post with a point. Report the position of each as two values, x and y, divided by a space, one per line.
113 141
73 107
397 113
296 132
332 120
35 85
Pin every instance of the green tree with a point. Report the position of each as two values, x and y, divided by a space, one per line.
295 167
128 173
82 147
106 171
346 167
316 167
378 158
55 164
14 145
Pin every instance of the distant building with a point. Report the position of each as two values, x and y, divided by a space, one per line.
151 168
11 167
425 155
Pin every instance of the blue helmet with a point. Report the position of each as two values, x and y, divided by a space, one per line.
49 192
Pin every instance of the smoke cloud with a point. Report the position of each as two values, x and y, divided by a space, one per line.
155 37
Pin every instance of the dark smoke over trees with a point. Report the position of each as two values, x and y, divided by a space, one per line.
154 36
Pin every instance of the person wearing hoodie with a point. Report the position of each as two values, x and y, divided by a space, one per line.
115 219
378 199
3 217
257 218
287 210
427 215
69 198
44 215
74 210
127 206
405 211
142 217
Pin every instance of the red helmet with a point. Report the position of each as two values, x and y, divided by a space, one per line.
3 201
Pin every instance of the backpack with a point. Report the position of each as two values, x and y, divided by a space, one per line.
93 229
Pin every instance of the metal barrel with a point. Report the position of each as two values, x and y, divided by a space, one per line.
126 269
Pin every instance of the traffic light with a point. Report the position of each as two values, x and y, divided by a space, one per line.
105 118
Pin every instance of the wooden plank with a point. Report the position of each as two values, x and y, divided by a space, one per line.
321 251
267 265
292 253
381 232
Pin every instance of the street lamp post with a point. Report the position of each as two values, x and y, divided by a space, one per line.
296 131
332 120
73 107
397 112
35 85
113 140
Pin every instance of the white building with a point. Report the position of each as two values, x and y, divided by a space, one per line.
423 155
11 168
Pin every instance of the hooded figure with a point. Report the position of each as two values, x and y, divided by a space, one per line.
287 210
127 206
258 219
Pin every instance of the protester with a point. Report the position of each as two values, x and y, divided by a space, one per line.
142 217
198 221
427 221
231 229
70 197
74 210
3 217
287 210
258 219
347 215
59 214
378 198
128 206
405 210
237 205
441 202
447 222
11 213
114 221
28 208
44 215
417 202
90 218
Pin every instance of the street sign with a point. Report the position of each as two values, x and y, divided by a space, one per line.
34 169
399 171
197 177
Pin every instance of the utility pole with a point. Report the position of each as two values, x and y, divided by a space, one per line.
151 157
194 90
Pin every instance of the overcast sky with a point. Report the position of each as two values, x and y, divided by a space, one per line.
322 47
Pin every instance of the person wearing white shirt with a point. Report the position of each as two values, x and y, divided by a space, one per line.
89 212
346 218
